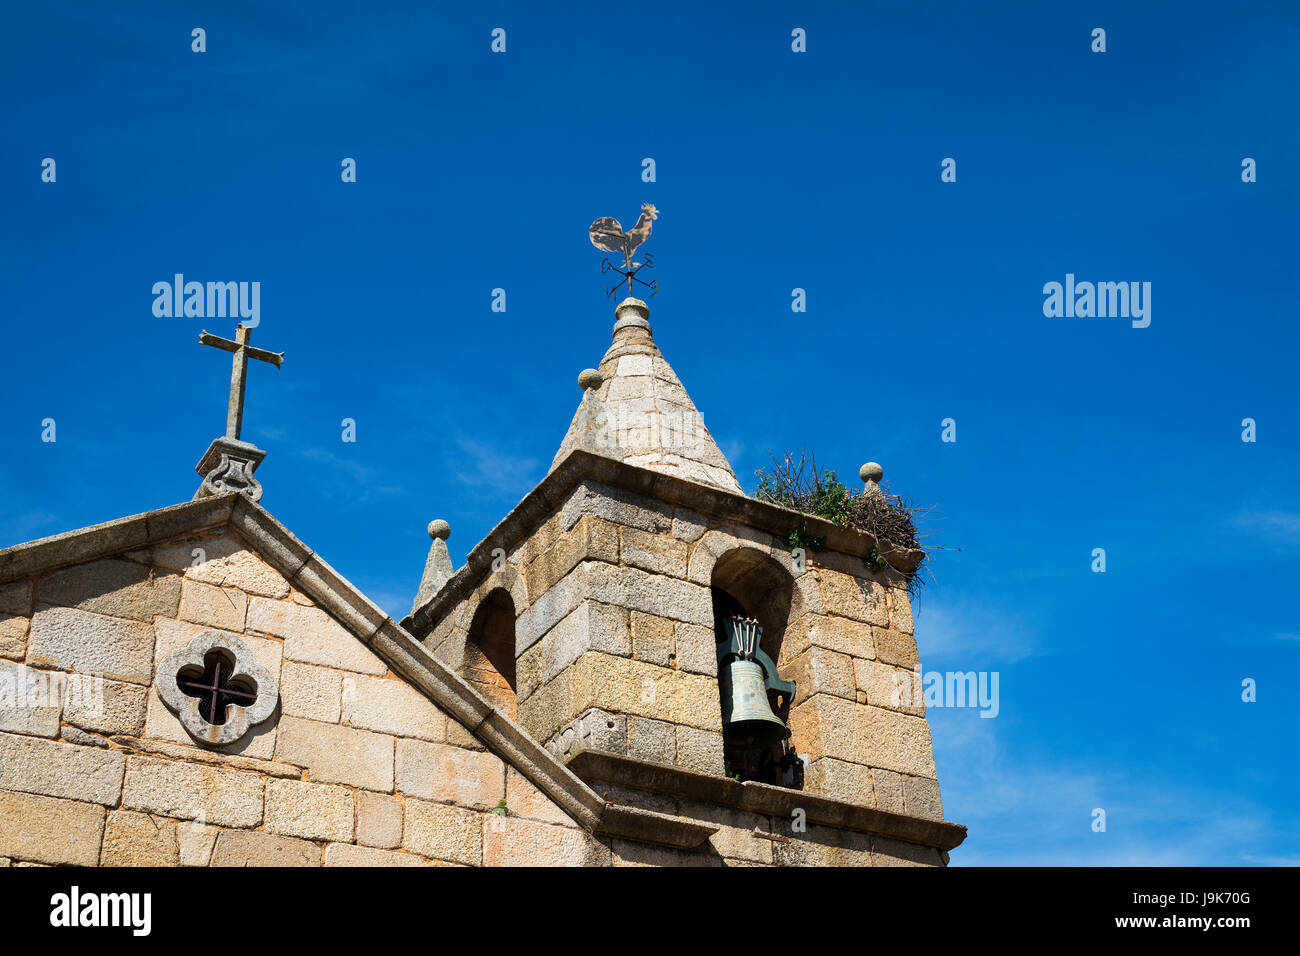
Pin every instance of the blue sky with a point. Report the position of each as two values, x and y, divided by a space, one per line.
775 170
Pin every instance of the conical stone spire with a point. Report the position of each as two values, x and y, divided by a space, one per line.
437 568
639 413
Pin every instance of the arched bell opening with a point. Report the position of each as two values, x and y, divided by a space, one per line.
490 650
752 594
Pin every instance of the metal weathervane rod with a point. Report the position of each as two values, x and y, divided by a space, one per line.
607 235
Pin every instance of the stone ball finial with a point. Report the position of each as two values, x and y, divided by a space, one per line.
439 529
589 379
871 471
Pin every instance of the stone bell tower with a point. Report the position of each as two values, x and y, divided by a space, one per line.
602 605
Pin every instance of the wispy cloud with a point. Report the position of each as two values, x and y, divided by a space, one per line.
500 472
1275 525
965 629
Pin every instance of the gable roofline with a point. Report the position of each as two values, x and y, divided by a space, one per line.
578 466
333 593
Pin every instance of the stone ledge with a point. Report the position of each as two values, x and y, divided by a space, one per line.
647 826
591 765
157 748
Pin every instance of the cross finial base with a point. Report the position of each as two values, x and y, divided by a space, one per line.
228 465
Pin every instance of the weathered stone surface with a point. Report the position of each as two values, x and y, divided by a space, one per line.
688 525
514 841
80 737
525 800
838 634
255 848
312 636
651 739
13 636
114 587
315 693
590 539
593 730
617 505
138 839
921 797
886 852
889 686
70 639
548 708
391 707
223 561
590 626
528 671
632 687
311 810
735 836
824 846
345 854
895 647
379 820
119 710
53 769
333 754
900 611
162 724
856 598
827 726
700 750
444 833
195 842
657 553
626 853
696 649
214 795
820 671
656 594
448 774
225 608
841 780
654 639
50 831
30 700
16 598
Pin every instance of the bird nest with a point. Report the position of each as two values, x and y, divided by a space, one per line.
797 483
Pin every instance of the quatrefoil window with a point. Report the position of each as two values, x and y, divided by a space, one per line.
216 688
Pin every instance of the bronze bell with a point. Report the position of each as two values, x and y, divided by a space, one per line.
747 719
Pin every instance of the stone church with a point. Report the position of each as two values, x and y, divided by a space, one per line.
630 669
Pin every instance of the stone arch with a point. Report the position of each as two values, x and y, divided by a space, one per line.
488 661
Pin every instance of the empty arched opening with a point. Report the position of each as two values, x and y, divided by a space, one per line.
490 650
748 583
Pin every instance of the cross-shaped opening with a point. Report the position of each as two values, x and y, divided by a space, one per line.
214 687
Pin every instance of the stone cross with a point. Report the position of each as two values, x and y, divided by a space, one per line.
239 370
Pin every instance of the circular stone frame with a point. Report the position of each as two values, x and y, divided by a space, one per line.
239 718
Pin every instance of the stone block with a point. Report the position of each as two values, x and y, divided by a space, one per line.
617 505
345 854
626 686
514 841
138 839
447 774
31 701
313 811
820 671
857 598
334 754
590 539
656 594
245 848
315 693
627 853
13 636
900 611
195 842
889 686
223 561
312 636
391 706
225 608
824 847
654 639
888 788
826 726
590 626
549 707
921 797
838 634
379 820
700 750
120 709
735 836
48 830
186 791
657 553
688 526
528 671
71 639
594 730
445 833
53 769
524 799
895 647
649 739
840 780
696 649
116 588
16 598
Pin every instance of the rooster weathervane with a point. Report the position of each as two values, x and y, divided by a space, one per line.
607 235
